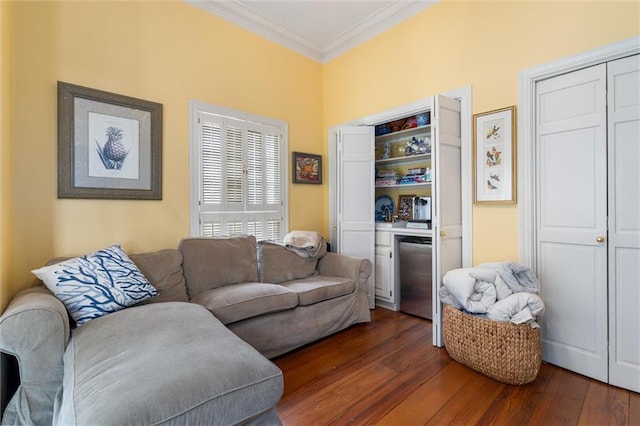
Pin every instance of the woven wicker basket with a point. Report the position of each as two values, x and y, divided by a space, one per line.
509 353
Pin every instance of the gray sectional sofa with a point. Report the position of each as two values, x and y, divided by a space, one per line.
197 353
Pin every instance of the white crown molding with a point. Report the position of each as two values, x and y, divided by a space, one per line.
247 18
374 25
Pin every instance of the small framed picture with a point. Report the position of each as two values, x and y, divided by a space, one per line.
307 168
405 206
494 157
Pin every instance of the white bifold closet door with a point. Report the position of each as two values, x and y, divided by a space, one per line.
588 220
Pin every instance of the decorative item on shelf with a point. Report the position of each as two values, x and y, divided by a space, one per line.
386 151
410 123
399 149
385 207
417 171
405 206
424 145
386 178
396 125
382 129
422 119
386 173
412 147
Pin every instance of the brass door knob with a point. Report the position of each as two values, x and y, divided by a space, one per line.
600 239
443 234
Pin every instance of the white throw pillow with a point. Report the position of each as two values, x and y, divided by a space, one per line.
96 284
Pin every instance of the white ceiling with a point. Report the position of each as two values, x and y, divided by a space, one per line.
319 29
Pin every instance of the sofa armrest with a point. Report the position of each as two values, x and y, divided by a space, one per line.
35 329
340 265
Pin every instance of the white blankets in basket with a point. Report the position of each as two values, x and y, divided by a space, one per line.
504 291
517 308
470 288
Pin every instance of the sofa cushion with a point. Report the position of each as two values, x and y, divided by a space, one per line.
215 262
96 284
163 269
241 301
315 289
279 264
164 363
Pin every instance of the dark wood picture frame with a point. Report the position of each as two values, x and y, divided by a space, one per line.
306 168
405 206
128 165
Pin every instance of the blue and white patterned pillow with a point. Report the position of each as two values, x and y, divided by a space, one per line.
97 284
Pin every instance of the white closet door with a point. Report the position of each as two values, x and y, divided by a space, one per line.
624 222
571 216
356 211
447 204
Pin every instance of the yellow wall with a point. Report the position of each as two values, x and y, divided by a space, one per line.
482 44
167 52
170 52
6 188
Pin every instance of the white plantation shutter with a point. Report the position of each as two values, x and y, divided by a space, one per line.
234 164
212 161
239 175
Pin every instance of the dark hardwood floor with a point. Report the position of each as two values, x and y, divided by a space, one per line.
387 372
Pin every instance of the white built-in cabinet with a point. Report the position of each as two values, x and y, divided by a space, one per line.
587 209
384 269
353 207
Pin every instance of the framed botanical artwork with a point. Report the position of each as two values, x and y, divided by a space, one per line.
109 145
307 168
494 156
405 206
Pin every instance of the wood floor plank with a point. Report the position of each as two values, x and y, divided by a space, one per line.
387 372
605 405
634 409
419 407
470 402
381 400
354 382
516 404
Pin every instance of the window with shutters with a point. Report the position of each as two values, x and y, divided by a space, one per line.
238 174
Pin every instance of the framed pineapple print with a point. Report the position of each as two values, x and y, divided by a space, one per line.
109 145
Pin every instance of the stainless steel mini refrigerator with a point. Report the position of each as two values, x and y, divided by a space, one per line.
415 276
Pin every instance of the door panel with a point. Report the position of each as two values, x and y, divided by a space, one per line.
624 215
356 217
571 191
447 204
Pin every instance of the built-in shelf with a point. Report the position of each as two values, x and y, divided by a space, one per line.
405 160
402 133
403 185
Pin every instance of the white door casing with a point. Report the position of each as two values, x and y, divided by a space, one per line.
447 204
623 77
571 161
463 97
355 206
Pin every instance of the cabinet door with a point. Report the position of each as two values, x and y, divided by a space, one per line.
447 200
383 274
355 176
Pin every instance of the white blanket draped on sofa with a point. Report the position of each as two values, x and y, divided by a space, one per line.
505 291
307 244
